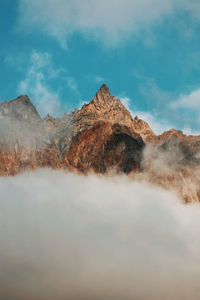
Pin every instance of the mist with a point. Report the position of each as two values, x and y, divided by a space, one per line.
67 236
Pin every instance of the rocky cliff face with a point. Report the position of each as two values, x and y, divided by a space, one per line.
101 137
105 107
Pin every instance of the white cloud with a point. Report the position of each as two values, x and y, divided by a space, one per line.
190 104
126 102
65 236
110 21
162 112
157 125
189 131
35 84
190 101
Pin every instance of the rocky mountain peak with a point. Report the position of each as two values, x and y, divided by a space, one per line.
106 107
20 108
23 99
103 99
103 107
101 137
104 89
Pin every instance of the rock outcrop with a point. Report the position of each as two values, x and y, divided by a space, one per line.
20 108
105 107
101 137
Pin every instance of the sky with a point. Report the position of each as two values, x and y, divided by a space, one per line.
60 52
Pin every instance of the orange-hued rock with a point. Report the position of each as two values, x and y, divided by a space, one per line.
104 146
12 163
105 107
100 137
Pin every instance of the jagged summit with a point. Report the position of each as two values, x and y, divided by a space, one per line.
103 107
107 107
104 89
103 99
21 99
20 108
100 137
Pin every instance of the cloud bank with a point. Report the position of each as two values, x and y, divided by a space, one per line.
108 21
65 236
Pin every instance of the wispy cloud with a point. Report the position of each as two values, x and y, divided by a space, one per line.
189 101
167 109
157 125
192 7
71 82
108 21
35 84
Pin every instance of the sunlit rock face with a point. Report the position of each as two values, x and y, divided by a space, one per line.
106 107
101 137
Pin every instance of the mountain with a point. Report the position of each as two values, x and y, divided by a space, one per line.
101 137
20 108
105 107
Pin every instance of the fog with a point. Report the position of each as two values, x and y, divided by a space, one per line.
173 166
15 134
66 236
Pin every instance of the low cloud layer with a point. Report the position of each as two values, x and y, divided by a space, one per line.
65 236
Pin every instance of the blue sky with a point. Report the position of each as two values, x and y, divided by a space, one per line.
59 52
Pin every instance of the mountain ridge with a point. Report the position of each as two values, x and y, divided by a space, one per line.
100 137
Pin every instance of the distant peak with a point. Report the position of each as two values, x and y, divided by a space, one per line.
21 99
20 108
104 89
